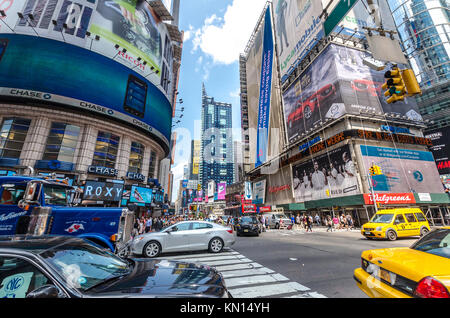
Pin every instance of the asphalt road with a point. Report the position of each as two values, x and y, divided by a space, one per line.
319 260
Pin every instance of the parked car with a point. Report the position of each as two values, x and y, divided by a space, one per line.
393 223
248 225
274 220
69 267
422 270
184 236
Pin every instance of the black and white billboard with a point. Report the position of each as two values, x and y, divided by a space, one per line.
440 149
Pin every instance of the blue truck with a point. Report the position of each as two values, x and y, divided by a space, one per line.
38 206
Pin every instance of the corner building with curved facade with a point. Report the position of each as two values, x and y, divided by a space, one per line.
87 90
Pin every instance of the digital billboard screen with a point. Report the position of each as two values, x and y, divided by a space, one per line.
59 73
440 149
141 195
329 175
102 191
403 170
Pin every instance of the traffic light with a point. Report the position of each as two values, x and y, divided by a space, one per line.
377 170
410 80
372 171
394 86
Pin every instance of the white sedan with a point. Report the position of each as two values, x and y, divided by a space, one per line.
182 237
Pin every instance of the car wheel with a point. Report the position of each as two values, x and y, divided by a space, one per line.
215 245
152 249
277 226
423 231
369 238
391 235
123 253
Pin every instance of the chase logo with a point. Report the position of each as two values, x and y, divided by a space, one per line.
47 96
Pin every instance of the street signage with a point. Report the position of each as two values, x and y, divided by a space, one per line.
338 13
390 198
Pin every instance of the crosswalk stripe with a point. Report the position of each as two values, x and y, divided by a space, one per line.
247 272
227 262
237 266
217 258
267 290
257 279
183 257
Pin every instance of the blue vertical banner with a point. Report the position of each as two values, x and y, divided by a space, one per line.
265 92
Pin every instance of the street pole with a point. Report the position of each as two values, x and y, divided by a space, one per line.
372 191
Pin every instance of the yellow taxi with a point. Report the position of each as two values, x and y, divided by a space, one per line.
422 270
394 223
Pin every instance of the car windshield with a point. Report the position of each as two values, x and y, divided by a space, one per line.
281 216
382 218
55 195
436 242
83 265
248 220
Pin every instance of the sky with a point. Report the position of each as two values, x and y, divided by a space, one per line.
216 32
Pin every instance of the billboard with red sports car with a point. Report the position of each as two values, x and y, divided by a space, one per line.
338 83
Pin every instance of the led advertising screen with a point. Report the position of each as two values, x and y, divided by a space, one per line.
102 191
330 175
54 72
140 195
403 170
105 26
441 151
335 84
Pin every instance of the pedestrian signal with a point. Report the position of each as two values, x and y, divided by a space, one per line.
394 86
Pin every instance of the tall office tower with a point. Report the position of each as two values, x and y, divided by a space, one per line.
216 155
244 113
424 29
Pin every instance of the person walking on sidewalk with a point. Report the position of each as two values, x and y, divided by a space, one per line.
336 223
317 217
309 223
329 224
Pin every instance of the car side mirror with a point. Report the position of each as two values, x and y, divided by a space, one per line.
46 291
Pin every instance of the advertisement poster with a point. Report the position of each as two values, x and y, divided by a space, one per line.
141 195
248 190
440 149
265 92
211 188
221 190
259 192
330 175
335 84
298 29
404 170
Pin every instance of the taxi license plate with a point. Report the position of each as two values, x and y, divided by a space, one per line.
245 230
385 276
367 233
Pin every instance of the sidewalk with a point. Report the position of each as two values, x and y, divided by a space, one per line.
316 229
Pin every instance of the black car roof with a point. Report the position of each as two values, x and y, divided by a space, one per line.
34 244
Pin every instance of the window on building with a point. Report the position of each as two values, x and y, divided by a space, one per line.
152 165
136 157
106 149
62 142
12 136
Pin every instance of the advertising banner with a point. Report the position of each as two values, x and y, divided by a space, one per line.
248 190
221 190
50 71
141 195
330 175
298 29
211 188
259 192
335 84
265 90
404 170
102 191
133 25
441 151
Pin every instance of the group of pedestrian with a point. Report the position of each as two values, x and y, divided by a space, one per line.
146 224
339 223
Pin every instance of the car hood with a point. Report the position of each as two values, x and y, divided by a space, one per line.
161 278
374 225
410 263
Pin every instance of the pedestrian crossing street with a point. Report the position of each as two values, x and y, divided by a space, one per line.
245 278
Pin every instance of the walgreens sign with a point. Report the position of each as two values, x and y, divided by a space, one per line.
390 198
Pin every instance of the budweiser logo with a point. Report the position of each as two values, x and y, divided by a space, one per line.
391 198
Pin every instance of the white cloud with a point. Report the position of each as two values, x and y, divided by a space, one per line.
224 38
188 33
236 93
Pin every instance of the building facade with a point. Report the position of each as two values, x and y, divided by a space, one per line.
80 100
216 158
